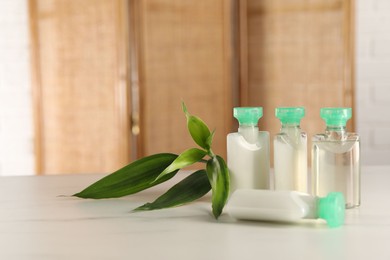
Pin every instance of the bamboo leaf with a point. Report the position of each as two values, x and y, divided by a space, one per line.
186 158
209 140
198 129
131 179
218 175
189 189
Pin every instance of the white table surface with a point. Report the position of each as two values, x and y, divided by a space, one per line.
37 223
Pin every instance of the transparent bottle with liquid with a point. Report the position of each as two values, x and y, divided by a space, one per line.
248 151
290 151
336 158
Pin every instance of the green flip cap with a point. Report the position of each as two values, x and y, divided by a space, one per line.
336 116
248 116
332 209
290 115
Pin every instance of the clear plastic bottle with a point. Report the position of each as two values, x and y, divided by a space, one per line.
248 151
336 158
286 206
290 151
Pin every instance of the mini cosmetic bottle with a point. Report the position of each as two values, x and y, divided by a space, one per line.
286 206
336 158
248 151
290 151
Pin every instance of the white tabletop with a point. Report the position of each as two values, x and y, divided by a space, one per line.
37 223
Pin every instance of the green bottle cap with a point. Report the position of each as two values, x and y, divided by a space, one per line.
290 115
336 116
332 209
248 116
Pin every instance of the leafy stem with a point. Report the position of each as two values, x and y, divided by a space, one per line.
155 169
217 171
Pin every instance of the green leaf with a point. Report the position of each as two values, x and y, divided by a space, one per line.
198 129
186 158
218 175
189 189
210 139
131 179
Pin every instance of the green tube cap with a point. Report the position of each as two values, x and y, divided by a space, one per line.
336 116
332 209
290 115
248 116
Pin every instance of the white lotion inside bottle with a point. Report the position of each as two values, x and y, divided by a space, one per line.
290 151
248 151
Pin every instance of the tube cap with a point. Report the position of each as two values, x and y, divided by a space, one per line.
248 115
336 116
290 115
332 209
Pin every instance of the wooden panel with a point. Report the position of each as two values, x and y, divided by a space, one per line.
80 85
185 53
297 53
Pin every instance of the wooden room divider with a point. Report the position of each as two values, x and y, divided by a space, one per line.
109 75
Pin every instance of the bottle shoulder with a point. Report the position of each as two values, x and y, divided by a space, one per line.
339 144
296 138
237 139
283 134
261 134
335 136
264 133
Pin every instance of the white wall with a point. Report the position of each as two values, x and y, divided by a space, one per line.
373 79
16 129
372 85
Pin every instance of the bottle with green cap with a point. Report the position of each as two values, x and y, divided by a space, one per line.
336 157
290 151
248 151
286 206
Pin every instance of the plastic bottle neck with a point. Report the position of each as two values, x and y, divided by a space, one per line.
311 202
330 208
335 128
288 126
249 132
337 133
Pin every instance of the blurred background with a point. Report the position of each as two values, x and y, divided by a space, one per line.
88 86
